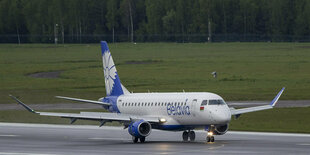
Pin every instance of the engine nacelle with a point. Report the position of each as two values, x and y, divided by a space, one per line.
220 129
140 128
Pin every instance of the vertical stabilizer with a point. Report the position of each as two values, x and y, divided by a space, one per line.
113 84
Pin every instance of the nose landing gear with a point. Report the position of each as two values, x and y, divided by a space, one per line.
210 137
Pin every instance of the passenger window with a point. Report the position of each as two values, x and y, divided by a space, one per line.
204 102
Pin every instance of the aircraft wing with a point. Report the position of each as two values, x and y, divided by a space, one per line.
81 100
103 117
238 112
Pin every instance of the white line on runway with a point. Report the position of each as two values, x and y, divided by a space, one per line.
16 153
304 144
9 135
268 134
98 138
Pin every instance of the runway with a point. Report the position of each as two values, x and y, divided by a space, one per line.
45 139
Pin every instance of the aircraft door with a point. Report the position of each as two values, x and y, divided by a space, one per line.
193 107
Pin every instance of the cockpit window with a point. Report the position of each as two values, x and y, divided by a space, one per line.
216 102
204 102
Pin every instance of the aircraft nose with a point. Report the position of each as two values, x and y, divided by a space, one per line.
223 117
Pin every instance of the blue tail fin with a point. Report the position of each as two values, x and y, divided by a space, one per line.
112 82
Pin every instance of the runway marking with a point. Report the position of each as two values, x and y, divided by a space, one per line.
268 134
16 153
304 144
98 138
9 135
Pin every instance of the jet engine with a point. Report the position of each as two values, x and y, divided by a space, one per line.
220 129
140 128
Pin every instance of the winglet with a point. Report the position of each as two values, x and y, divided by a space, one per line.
275 100
23 104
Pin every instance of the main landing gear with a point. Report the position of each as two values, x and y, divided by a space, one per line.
188 134
135 139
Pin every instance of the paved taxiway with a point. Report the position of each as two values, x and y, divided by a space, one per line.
70 139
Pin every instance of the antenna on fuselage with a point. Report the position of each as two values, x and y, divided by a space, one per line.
183 91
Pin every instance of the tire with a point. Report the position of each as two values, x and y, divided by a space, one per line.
208 139
212 139
185 136
192 135
142 140
134 139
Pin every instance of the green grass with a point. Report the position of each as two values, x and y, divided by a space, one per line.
246 71
275 120
294 120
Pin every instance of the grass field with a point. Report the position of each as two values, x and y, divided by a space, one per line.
275 120
246 71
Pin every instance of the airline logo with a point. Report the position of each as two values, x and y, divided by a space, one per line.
109 71
178 110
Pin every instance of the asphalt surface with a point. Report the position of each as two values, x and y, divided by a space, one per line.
63 139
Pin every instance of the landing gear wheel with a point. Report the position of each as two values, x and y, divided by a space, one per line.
208 139
142 139
192 135
134 139
212 139
185 136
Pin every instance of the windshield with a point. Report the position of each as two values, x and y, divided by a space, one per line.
204 102
216 102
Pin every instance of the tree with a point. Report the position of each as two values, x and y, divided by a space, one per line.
112 16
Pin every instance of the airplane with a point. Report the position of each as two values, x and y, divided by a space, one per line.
142 112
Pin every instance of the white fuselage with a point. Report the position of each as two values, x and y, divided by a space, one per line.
176 108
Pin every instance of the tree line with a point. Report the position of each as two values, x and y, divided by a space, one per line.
82 21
